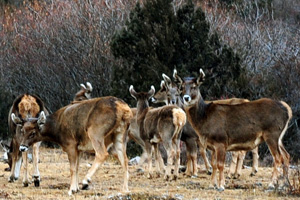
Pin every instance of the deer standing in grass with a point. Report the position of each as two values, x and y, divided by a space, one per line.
163 124
91 125
237 127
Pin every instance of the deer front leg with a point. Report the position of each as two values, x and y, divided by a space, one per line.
26 180
35 157
213 183
16 165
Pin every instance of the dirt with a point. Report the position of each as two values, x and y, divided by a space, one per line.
107 182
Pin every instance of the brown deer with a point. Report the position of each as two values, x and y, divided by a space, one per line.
163 124
90 125
84 93
24 106
169 94
237 127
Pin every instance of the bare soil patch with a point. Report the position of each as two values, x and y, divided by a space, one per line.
106 184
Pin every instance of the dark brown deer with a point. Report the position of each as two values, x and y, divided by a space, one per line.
163 124
90 125
24 106
237 127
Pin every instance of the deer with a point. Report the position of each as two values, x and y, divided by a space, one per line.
170 92
169 95
91 125
84 93
159 125
237 127
24 106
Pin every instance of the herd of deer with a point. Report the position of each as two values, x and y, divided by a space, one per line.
106 123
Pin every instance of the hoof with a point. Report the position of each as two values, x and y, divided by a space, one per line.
85 186
236 176
149 176
175 177
36 183
7 169
166 177
271 188
212 187
25 184
208 172
221 189
194 176
253 173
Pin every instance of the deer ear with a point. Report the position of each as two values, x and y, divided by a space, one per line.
82 86
163 85
201 77
151 92
16 119
132 92
89 86
177 78
42 119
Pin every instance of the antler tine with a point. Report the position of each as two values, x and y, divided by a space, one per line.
83 86
89 86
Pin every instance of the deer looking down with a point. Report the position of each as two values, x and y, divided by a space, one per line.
90 125
163 124
84 93
237 127
24 106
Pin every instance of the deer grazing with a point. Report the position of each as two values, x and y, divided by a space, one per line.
163 124
92 125
24 106
237 127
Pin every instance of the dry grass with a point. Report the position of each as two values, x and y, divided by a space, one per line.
54 168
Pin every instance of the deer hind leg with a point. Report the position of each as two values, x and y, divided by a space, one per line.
213 183
220 155
159 165
191 150
100 156
26 180
120 148
170 154
36 172
202 150
274 149
73 156
239 166
255 157
233 164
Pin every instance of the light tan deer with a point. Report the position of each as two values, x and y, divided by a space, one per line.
163 124
90 125
237 127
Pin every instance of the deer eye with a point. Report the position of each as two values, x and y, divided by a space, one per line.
31 135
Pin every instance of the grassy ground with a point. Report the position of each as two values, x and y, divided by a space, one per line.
106 183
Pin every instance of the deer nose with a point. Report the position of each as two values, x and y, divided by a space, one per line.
23 148
187 98
173 101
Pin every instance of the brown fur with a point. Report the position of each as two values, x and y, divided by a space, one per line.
157 125
90 125
237 127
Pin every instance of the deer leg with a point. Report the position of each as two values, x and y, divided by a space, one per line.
233 164
202 150
36 172
213 183
159 166
188 171
221 154
191 150
148 148
176 147
100 156
255 157
26 181
274 149
170 154
16 165
73 156
120 148
241 156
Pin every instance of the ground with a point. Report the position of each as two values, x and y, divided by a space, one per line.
106 183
